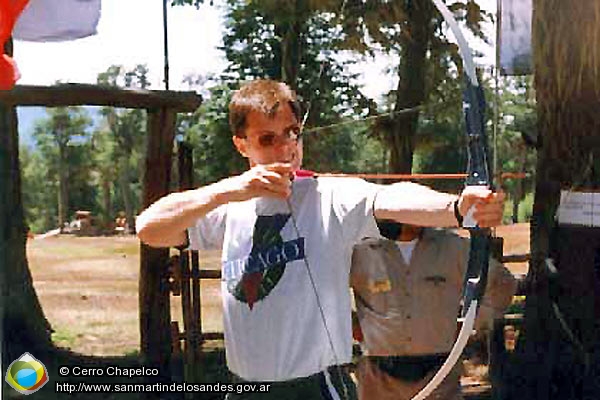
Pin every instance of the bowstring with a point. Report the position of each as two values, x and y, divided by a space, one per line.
319 305
365 119
420 107
297 231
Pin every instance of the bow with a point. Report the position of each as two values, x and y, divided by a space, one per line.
477 175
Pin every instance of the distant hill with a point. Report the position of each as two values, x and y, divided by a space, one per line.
29 115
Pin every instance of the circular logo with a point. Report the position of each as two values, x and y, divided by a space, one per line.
26 374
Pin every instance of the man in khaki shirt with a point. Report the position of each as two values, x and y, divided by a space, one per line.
407 293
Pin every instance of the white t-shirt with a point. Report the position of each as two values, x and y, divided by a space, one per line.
406 248
273 326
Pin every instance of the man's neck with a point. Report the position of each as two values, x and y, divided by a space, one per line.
407 235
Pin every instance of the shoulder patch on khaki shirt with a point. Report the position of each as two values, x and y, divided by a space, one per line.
380 286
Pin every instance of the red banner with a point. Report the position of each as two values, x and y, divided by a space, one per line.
9 12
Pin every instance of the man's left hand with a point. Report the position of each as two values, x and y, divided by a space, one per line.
489 206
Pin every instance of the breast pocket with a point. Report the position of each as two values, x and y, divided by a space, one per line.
436 280
442 294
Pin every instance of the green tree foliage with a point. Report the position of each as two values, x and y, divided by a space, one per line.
39 193
207 131
440 141
518 138
119 147
62 163
288 40
99 171
293 41
414 32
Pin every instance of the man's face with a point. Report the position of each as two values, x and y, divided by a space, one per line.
271 139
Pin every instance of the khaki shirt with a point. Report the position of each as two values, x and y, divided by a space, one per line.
411 309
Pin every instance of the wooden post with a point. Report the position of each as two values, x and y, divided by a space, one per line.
155 315
196 326
190 300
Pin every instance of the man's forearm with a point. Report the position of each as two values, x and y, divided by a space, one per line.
415 204
164 223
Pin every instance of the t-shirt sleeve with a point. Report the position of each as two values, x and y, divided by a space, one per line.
209 231
353 203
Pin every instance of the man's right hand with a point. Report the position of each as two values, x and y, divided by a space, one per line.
271 180
164 223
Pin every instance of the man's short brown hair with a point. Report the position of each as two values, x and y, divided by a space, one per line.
261 95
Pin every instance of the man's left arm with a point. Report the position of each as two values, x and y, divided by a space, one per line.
415 204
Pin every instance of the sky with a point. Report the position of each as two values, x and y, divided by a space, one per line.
130 33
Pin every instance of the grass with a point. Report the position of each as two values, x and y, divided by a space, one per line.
64 338
88 288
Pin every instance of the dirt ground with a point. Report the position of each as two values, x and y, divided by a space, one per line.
88 287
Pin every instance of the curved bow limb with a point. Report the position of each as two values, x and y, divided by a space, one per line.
477 175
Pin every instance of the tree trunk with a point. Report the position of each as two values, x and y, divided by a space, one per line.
125 186
290 50
107 202
63 186
23 324
411 86
519 184
554 363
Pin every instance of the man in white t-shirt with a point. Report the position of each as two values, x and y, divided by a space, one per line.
286 241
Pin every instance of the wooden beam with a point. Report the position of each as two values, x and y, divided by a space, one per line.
74 94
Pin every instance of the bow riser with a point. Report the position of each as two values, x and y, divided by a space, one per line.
478 163
477 175
477 269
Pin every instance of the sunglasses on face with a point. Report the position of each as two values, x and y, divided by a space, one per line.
269 139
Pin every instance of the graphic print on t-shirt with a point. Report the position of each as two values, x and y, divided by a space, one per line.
253 277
